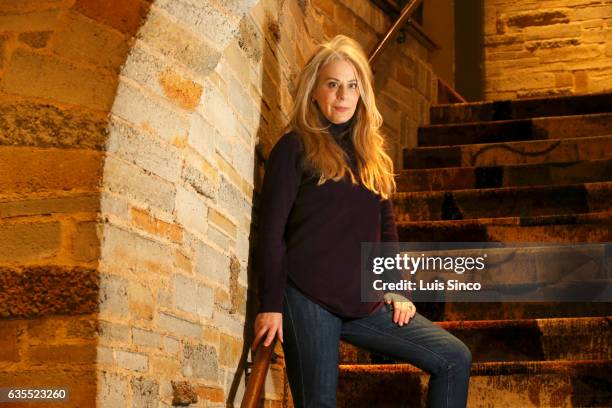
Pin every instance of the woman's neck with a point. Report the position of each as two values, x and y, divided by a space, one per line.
339 129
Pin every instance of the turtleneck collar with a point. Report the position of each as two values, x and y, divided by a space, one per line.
339 129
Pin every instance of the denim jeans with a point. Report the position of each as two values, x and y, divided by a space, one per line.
311 340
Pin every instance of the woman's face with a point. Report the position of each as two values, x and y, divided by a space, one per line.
336 91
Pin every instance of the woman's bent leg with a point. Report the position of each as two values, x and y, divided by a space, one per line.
423 344
311 339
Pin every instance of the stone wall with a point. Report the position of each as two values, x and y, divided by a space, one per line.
535 48
130 159
59 62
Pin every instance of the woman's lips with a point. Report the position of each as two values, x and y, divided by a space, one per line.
341 109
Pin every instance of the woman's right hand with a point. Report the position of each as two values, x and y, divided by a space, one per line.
268 325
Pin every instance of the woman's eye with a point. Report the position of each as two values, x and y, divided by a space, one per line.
332 84
353 85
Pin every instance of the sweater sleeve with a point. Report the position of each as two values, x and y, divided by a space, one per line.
390 236
279 189
387 222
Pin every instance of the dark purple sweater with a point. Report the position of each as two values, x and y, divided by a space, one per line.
312 234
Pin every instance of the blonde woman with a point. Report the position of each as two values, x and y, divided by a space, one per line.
327 188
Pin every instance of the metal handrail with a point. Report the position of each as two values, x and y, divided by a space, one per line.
395 28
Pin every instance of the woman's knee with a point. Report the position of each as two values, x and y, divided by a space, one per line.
461 355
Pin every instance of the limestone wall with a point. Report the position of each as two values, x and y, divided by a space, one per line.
535 48
131 143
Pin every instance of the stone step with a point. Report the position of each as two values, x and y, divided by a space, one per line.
583 383
503 202
460 178
462 311
555 127
582 338
565 228
521 108
510 153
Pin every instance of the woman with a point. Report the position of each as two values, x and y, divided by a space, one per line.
327 188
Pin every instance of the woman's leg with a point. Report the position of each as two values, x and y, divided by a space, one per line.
311 340
421 343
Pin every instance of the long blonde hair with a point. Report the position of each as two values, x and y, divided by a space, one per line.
322 153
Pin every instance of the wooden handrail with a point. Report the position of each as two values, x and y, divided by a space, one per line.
384 43
257 378
446 94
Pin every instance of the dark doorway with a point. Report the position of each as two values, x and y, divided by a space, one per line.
469 49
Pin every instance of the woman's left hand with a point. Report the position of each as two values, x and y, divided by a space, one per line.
403 309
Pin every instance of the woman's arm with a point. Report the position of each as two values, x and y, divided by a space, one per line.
279 189
403 308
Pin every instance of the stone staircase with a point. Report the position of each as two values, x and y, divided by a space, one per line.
530 170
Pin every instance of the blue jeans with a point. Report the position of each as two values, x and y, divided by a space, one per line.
311 341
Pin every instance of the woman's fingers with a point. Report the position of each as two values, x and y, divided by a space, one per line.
403 312
270 337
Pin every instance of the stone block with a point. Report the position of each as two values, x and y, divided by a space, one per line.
152 114
49 170
179 43
34 20
124 16
86 241
200 361
35 75
141 301
51 126
113 296
131 181
171 345
82 328
143 149
193 297
145 393
132 361
113 332
212 264
177 326
230 350
206 19
181 91
199 180
81 39
215 108
29 241
62 354
112 390
53 205
11 334
191 210
145 221
146 338
202 136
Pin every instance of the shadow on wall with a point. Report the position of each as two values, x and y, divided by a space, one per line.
60 63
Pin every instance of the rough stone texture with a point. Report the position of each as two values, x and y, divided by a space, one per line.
555 47
30 123
183 394
200 362
47 290
145 393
